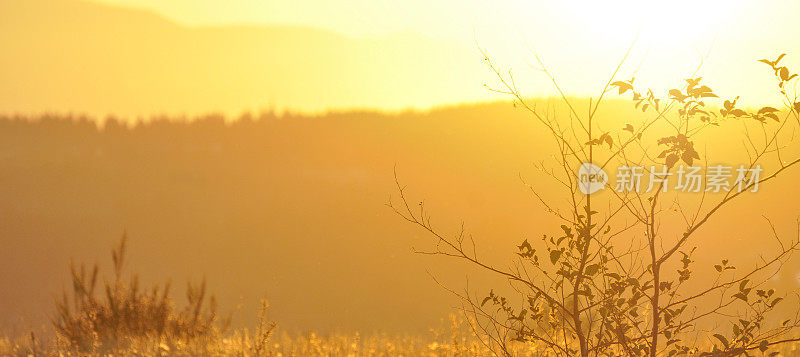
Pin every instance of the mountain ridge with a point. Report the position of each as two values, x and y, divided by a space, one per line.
98 59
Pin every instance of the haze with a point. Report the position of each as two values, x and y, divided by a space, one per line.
126 115
139 58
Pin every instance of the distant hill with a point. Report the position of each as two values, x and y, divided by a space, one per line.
77 56
293 207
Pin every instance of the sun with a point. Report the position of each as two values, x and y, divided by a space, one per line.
670 24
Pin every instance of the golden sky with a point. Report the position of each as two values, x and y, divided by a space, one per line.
559 29
412 53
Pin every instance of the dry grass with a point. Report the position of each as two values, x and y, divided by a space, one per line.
125 319
453 338
128 320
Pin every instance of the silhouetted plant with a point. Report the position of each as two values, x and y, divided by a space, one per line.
612 279
125 314
263 333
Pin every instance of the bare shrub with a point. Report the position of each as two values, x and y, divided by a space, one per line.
613 278
124 316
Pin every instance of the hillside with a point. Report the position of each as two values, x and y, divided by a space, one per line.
82 57
291 207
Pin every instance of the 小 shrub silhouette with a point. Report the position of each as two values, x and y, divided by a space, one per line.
125 315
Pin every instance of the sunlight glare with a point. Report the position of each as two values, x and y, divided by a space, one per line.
674 23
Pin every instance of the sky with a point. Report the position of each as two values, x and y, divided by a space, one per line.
671 37
445 18
388 55
611 23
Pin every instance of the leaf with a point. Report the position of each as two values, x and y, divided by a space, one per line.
609 140
567 230
740 296
775 302
738 113
554 256
675 93
784 74
767 62
767 110
763 346
779 58
633 312
687 157
718 268
485 300
592 269
722 339
728 105
623 86
743 284
671 160
773 116
628 127
703 89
